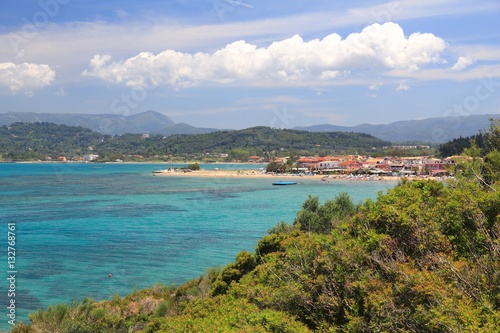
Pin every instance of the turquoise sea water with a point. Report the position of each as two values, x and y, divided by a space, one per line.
77 223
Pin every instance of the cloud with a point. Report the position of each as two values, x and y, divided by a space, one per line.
402 86
376 86
479 52
462 63
25 76
434 74
141 31
121 14
272 100
60 92
376 48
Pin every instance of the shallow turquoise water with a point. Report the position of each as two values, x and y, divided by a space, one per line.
76 223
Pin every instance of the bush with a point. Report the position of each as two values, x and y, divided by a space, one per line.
245 263
194 166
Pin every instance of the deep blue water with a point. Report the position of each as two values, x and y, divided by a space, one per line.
76 223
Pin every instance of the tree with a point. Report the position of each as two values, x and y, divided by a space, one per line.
492 136
276 167
321 218
194 166
484 164
239 154
245 262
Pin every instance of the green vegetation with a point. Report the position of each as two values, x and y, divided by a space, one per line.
424 257
458 145
32 141
194 166
486 141
279 167
258 140
419 151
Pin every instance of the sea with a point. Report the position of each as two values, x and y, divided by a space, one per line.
73 224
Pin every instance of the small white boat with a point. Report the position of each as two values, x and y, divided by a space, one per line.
161 171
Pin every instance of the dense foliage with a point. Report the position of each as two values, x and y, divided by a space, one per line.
486 141
260 141
277 167
424 257
38 140
268 139
458 145
193 166
25 141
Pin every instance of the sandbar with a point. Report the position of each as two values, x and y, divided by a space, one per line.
260 175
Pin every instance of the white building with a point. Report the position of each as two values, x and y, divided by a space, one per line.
90 157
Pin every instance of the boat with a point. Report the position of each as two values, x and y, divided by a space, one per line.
162 171
284 183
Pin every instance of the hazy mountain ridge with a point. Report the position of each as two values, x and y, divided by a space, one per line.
150 122
433 130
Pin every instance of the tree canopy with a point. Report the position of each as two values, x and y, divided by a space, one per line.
37 140
487 141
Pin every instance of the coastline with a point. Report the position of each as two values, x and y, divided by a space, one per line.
245 174
133 162
238 172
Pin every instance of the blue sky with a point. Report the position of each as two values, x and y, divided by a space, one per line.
242 63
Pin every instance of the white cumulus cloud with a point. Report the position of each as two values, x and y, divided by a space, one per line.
377 47
462 63
26 76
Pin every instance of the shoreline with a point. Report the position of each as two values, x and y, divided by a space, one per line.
241 173
132 162
254 174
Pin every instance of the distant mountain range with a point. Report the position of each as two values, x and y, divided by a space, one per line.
150 122
433 130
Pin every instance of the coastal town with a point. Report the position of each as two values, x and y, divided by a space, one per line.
343 164
340 164
348 164
340 167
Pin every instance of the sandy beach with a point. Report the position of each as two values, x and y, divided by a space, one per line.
257 174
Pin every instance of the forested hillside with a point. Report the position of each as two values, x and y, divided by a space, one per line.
29 141
256 139
424 257
457 146
482 141
37 140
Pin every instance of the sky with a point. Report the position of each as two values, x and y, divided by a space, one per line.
234 64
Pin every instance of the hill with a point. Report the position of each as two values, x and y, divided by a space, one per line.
149 122
264 139
21 141
432 130
31 141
